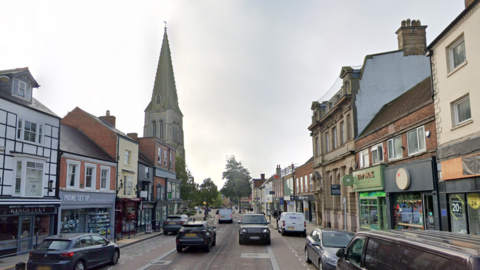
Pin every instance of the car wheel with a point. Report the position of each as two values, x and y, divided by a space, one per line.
283 232
80 265
115 257
179 249
240 242
207 247
165 232
269 241
307 258
214 240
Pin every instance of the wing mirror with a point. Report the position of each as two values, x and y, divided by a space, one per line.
107 242
340 253
268 222
316 244
239 222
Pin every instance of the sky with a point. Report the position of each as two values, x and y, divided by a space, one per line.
246 71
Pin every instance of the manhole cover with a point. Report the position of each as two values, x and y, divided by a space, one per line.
255 255
162 263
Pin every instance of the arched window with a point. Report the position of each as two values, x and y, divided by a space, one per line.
154 128
161 129
158 99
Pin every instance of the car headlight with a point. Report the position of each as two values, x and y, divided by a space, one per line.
244 230
265 231
330 260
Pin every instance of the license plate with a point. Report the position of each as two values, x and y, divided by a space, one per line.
222 216
42 267
291 228
173 223
254 237
190 234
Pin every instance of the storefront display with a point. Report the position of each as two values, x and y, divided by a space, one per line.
99 221
408 212
465 209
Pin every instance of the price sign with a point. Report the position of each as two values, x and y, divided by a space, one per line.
457 206
473 200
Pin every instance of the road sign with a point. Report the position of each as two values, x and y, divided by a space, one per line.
281 200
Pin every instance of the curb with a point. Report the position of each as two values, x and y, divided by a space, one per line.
141 240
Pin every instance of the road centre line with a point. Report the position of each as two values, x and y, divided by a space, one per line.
224 242
149 264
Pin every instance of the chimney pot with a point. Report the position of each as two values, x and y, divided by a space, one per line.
403 23
408 22
108 113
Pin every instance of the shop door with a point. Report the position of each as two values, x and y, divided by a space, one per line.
25 234
428 212
382 213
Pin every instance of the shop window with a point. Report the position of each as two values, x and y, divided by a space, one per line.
395 148
377 154
416 140
473 200
73 221
42 227
90 173
408 211
105 178
8 235
73 174
364 159
29 178
369 212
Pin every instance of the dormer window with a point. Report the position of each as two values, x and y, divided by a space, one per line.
22 89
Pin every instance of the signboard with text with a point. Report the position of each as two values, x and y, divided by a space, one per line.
369 179
335 189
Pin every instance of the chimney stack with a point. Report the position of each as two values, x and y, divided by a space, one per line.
134 136
109 119
412 37
262 176
279 170
468 3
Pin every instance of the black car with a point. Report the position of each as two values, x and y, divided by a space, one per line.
254 227
322 245
174 223
196 233
73 251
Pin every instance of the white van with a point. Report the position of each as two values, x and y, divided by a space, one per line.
225 215
292 222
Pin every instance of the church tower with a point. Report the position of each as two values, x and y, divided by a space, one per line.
163 118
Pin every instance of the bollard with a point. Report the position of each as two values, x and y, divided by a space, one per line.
20 266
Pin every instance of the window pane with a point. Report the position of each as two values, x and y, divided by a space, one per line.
71 174
375 156
390 149
104 179
463 111
380 153
458 217
88 178
459 54
34 179
398 147
412 141
421 138
380 254
18 177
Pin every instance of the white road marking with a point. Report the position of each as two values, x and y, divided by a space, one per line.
157 260
272 258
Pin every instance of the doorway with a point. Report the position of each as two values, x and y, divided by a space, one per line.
25 234
428 212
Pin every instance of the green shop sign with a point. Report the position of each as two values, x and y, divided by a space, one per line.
369 179
372 194
347 180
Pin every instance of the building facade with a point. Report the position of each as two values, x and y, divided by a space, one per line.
304 198
455 62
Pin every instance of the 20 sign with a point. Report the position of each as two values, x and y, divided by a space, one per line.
457 206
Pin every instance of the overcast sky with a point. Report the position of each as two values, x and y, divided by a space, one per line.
246 71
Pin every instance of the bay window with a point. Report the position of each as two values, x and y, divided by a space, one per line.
29 178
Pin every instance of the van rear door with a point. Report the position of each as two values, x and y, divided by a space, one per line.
294 222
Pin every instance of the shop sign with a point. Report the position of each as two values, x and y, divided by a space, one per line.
304 198
92 198
347 180
473 200
402 178
27 209
148 206
372 194
369 179
457 206
281 200
335 189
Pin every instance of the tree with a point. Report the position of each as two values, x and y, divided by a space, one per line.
218 201
188 188
208 192
237 178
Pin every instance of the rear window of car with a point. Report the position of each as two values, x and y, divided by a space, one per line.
174 217
53 245
192 228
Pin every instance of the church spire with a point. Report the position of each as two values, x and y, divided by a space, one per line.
164 96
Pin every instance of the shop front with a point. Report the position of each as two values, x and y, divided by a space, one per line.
146 215
127 214
276 203
25 225
306 205
369 183
87 212
412 198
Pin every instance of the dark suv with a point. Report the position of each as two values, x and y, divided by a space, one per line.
254 227
196 233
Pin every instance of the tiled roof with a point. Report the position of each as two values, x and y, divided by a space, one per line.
105 123
13 71
74 141
35 104
409 101
142 158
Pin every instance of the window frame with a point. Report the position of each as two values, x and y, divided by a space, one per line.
334 138
451 54
77 174
159 158
362 162
107 177
20 131
342 132
171 161
418 141
27 95
127 157
455 110
128 187
379 149
327 142
317 146
94 178
146 172
165 158
23 177
393 147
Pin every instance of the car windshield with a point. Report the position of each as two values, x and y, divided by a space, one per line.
336 239
254 220
192 228
174 217
53 245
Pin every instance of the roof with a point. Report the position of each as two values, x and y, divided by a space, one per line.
142 158
258 182
406 103
453 23
74 141
19 70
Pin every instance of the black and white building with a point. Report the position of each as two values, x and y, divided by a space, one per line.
29 143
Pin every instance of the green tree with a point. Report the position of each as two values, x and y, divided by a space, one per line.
208 192
188 188
218 201
237 178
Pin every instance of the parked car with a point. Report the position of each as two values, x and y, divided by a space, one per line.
225 215
174 223
322 245
196 233
73 251
253 227
432 250
292 222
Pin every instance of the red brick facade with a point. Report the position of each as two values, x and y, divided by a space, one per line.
64 169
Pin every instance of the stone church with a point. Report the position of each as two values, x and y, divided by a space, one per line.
163 118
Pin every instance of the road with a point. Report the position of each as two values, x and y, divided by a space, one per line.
160 253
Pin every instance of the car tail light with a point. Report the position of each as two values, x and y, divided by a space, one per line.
165 222
30 254
305 223
218 215
231 215
181 222
284 223
177 241
67 254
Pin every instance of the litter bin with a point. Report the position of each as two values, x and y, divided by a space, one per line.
20 266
